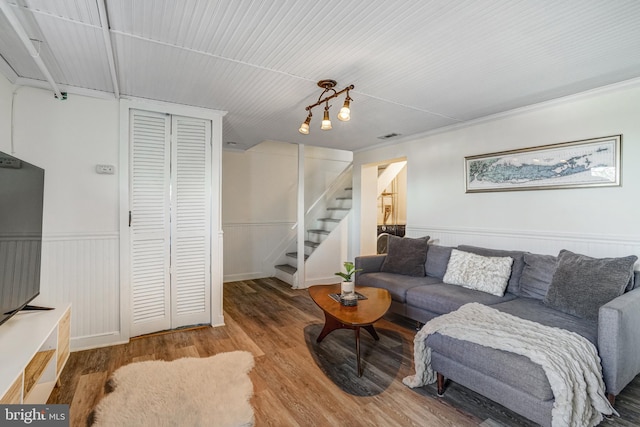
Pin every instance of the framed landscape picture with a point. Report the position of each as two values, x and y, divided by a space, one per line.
587 163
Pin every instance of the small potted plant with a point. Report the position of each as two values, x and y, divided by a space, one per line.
347 287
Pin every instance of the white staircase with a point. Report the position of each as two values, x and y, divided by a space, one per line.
323 224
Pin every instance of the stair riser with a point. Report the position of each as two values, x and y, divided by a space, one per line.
287 278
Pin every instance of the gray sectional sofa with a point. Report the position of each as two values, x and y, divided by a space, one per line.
414 271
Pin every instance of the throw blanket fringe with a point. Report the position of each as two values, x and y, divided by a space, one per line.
570 361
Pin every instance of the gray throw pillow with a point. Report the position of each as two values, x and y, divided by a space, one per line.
581 284
633 282
537 275
437 260
405 256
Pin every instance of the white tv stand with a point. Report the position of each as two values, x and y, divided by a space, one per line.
35 348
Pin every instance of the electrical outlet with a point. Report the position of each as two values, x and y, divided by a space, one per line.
106 169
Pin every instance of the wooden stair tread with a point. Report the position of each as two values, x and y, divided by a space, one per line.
311 244
338 209
295 255
329 219
287 268
319 231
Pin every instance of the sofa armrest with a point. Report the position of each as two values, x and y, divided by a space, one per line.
619 340
368 264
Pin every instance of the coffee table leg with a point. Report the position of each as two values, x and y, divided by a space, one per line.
372 331
359 369
330 325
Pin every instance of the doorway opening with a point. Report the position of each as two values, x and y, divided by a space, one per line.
384 204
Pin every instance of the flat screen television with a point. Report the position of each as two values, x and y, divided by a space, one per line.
21 197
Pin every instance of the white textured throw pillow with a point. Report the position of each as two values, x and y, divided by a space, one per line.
482 273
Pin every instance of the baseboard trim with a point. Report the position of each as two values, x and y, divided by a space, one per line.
331 280
97 341
243 276
218 322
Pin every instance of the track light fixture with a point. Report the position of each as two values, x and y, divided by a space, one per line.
344 114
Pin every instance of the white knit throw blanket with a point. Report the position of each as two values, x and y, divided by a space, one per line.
570 361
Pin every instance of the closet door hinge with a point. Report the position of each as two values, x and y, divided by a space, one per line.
129 218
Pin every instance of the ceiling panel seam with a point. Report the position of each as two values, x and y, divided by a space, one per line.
104 23
260 67
62 18
24 38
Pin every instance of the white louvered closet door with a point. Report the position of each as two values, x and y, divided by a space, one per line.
150 158
170 175
190 221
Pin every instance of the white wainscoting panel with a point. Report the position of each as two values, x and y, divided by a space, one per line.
594 245
251 250
84 269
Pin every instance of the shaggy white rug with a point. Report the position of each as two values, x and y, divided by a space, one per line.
213 391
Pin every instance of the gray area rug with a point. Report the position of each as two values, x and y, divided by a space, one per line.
213 391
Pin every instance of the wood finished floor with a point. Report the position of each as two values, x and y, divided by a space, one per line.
298 382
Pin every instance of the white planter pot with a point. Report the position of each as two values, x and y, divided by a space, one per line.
347 288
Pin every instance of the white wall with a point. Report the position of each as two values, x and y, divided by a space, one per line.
80 225
258 206
597 221
68 139
259 196
322 167
6 90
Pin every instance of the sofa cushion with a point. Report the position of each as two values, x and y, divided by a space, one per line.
513 369
405 256
516 269
581 284
536 311
396 284
442 298
437 260
510 368
536 275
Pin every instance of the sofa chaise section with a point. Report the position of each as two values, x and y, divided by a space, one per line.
510 379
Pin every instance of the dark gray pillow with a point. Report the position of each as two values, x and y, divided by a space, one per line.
437 260
634 282
516 268
405 256
537 275
581 284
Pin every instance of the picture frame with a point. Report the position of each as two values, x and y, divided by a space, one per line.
576 164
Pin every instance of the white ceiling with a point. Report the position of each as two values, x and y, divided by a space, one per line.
416 65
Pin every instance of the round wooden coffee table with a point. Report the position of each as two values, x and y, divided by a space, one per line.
364 315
